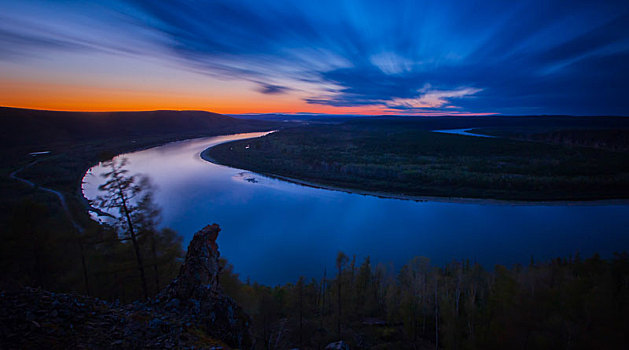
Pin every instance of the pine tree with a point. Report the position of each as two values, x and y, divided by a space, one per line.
123 193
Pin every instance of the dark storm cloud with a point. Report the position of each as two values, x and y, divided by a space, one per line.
530 56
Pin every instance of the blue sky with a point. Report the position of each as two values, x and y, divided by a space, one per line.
402 57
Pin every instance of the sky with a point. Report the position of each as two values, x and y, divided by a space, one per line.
464 57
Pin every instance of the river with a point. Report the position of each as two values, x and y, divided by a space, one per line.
273 231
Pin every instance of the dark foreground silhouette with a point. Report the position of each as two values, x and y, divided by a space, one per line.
192 311
561 304
565 303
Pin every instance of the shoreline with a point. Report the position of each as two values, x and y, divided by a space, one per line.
460 200
85 202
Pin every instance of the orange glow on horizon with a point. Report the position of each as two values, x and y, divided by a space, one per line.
67 97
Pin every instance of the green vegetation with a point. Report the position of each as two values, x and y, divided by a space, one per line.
38 250
608 139
561 304
564 303
65 251
137 214
403 158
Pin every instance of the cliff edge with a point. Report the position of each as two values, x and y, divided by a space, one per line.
191 312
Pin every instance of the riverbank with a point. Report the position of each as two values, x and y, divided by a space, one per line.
462 200
314 224
426 166
75 141
50 240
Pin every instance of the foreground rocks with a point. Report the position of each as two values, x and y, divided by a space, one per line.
192 312
197 293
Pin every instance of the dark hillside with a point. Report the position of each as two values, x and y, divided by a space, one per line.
26 127
77 140
191 312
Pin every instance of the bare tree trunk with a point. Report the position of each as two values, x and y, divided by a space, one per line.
424 301
323 291
472 302
301 313
279 334
458 293
436 316
338 324
351 282
134 240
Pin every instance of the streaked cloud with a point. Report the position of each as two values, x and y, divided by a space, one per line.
271 89
431 99
532 56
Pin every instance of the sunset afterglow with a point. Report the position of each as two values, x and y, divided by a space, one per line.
352 57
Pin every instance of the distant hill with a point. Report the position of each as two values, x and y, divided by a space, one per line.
301 117
22 127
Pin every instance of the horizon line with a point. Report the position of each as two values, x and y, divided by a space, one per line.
297 114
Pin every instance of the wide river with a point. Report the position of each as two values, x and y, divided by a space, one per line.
274 231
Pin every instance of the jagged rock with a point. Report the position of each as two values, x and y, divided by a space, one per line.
32 318
198 276
197 289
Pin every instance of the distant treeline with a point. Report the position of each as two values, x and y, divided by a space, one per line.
570 303
401 157
611 139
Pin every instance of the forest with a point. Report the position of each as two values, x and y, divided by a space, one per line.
329 175
569 302
562 159
57 246
104 261
575 302
565 303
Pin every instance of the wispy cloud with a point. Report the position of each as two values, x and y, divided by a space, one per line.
271 89
496 56
431 99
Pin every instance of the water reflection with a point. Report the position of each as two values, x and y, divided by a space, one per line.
275 231
465 132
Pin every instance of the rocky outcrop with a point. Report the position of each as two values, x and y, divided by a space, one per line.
198 276
192 312
197 292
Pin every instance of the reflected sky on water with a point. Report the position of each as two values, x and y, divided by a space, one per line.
274 231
